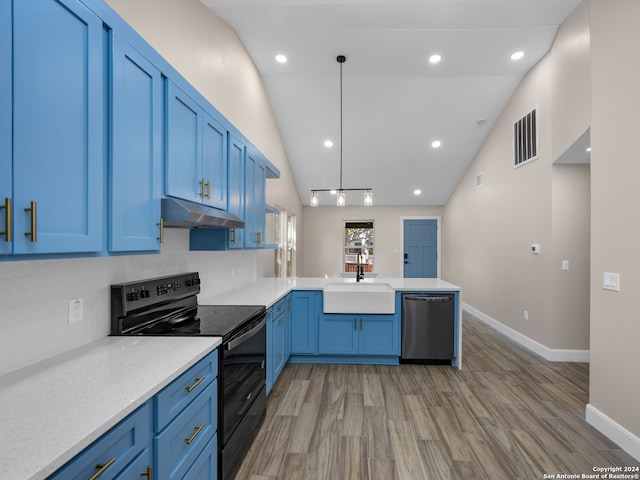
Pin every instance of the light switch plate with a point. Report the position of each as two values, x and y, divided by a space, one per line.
611 281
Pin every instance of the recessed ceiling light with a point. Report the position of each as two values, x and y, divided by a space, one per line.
333 192
435 58
417 191
281 58
436 144
328 143
517 55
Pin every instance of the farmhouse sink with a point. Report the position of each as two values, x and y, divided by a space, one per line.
358 297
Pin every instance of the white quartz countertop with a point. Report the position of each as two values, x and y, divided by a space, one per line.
51 411
267 291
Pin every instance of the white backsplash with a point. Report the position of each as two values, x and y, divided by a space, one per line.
35 294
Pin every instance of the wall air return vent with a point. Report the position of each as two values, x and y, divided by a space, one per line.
525 138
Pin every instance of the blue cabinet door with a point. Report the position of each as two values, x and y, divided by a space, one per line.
255 201
6 170
251 166
183 175
379 335
214 162
136 152
58 127
338 334
236 189
278 346
287 329
305 310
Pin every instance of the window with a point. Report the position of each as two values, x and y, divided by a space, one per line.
525 138
358 245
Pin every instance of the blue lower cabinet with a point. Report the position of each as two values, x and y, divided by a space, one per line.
348 334
112 453
278 339
181 442
306 306
140 468
183 417
206 465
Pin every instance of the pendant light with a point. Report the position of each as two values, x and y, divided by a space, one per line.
341 199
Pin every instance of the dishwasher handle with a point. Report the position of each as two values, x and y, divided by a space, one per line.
428 298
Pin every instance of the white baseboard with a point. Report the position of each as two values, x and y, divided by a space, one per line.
551 354
614 431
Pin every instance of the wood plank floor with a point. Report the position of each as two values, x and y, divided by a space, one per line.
508 414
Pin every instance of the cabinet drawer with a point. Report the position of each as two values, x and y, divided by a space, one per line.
176 396
116 448
206 465
178 446
136 469
279 307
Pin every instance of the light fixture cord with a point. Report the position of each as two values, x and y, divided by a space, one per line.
341 124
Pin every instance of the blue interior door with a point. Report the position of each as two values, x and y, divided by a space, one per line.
420 248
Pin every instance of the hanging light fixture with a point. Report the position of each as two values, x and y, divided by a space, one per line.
341 199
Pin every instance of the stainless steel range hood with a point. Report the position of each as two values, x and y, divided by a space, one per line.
182 214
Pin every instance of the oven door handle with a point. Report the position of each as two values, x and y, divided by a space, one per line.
245 336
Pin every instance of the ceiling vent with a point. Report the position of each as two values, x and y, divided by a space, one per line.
525 138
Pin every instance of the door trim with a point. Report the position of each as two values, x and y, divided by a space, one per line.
438 219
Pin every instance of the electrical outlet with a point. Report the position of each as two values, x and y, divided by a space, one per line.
526 315
565 265
75 310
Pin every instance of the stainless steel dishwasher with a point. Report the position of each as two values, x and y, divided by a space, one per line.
428 327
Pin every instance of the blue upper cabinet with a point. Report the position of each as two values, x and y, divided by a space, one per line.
214 162
196 168
236 188
136 152
6 175
183 171
255 200
58 155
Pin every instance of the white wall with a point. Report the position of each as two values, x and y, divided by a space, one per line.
488 231
34 294
615 229
324 237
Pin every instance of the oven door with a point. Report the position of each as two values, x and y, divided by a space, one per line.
243 375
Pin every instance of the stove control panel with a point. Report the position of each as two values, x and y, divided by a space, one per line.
146 293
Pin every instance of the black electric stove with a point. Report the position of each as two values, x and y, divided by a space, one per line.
169 306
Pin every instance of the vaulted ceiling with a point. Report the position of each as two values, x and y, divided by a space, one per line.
395 102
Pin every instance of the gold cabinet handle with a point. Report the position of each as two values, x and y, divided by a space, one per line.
198 382
102 468
258 238
195 434
7 220
161 225
148 473
208 185
33 234
201 182
232 235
